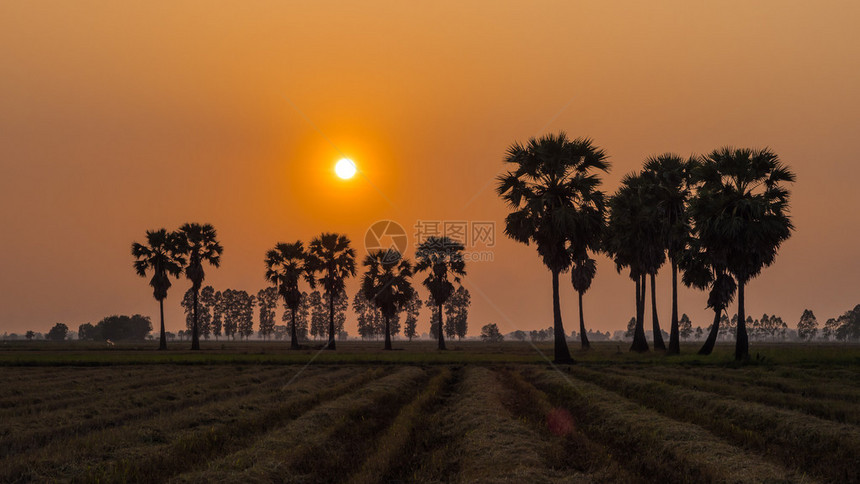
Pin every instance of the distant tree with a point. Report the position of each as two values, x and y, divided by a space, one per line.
171 336
847 326
123 328
229 311
582 274
162 255
457 313
302 317
217 308
286 266
58 332
386 284
318 315
519 335
332 257
553 192
244 313
413 309
490 333
685 328
698 332
207 303
631 328
743 213
87 332
267 300
435 316
29 335
442 259
808 325
199 245
368 316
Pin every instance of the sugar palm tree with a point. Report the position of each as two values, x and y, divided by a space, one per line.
670 179
549 185
582 274
162 256
746 215
386 284
199 244
332 257
286 265
633 238
442 259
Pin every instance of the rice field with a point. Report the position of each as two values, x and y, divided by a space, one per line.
601 420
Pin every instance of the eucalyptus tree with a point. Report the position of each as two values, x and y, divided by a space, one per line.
581 275
161 255
744 212
200 245
633 238
331 256
413 309
671 182
442 259
267 299
553 192
386 284
286 265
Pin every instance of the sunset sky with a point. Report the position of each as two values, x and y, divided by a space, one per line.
120 117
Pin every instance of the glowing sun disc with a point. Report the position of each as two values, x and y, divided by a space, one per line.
345 168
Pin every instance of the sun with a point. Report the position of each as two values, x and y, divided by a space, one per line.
345 168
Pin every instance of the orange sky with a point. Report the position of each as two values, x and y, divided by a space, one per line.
116 118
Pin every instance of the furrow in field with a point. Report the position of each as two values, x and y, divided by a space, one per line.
838 410
51 381
20 435
324 444
191 450
799 441
651 444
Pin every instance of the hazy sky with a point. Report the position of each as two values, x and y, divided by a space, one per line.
119 117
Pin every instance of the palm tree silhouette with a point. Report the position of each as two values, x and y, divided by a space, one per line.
581 275
386 284
162 256
634 240
199 245
331 256
551 190
670 177
440 257
746 215
703 268
286 264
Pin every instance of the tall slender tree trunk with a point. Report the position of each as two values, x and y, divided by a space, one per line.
562 354
331 343
195 332
439 329
387 333
708 347
655 321
162 341
582 336
742 347
674 332
640 344
294 337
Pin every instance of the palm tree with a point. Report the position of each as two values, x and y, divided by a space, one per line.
670 177
746 215
551 189
634 240
199 245
582 274
162 256
703 269
440 257
386 284
331 256
286 264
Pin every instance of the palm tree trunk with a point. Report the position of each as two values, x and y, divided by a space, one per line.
387 334
162 341
742 347
674 332
195 332
294 339
640 344
655 321
582 336
331 343
439 330
708 347
562 354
